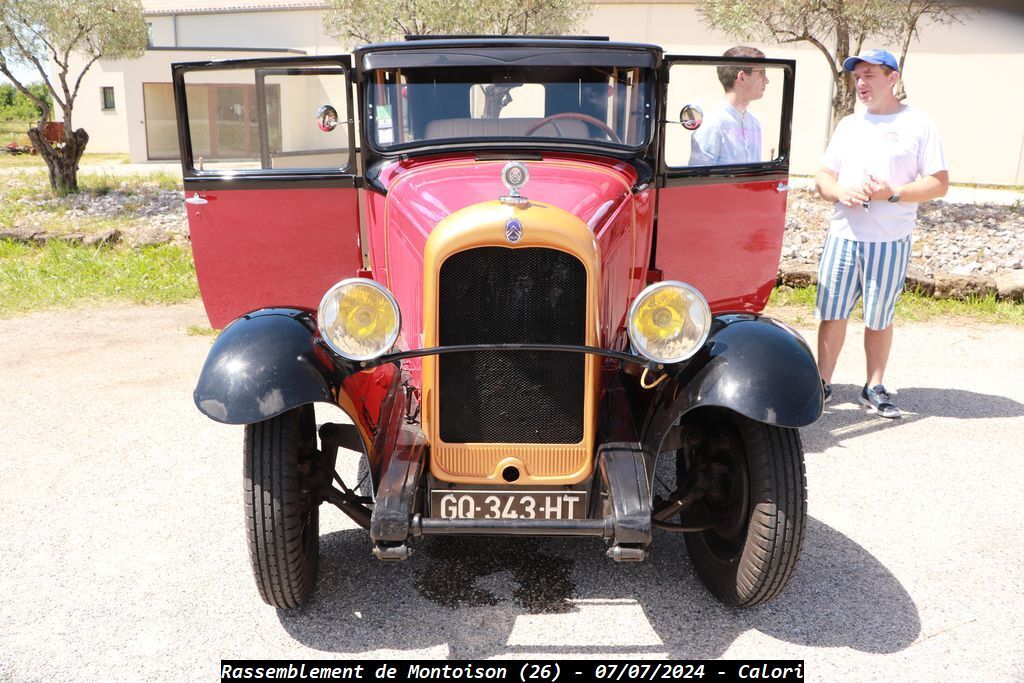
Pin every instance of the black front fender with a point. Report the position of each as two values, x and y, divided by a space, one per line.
752 365
263 364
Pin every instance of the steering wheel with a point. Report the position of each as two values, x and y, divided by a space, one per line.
575 116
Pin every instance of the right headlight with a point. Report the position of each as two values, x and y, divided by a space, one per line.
359 319
668 322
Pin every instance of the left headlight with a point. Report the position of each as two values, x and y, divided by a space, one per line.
359 319
669 322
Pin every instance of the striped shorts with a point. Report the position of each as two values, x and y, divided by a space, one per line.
874 271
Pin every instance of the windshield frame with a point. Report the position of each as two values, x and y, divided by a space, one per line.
501 55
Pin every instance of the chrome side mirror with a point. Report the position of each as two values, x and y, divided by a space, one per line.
691 117
326 118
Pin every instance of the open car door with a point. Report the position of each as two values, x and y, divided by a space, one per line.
269 164
723 184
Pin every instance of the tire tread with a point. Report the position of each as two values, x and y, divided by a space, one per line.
283 569
777 520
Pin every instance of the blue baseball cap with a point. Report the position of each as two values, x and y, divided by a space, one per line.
872 57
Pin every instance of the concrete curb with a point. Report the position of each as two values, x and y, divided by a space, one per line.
1005 286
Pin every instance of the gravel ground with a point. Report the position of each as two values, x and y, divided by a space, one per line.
125 556
951 237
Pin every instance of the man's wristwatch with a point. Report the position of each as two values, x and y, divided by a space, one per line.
895 196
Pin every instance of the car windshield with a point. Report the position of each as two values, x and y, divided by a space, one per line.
610 106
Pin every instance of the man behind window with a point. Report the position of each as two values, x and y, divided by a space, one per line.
730 134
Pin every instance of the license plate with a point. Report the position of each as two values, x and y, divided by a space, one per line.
508 504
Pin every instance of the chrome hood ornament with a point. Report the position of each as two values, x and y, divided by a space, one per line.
514 176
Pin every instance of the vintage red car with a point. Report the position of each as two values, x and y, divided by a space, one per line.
541 315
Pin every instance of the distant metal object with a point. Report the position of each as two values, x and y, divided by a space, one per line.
53 132
14 148
691 116
326 118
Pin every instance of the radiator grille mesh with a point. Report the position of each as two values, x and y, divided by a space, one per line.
497 295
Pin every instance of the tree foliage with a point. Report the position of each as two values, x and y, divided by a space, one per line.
368 21
60 40
365 21
15 106
837 28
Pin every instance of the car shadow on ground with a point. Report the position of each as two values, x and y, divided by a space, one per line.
480 597
845 417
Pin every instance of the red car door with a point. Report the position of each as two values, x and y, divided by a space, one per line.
723 185
270 183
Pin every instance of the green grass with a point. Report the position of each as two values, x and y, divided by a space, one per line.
201 331
796 306
29 161
58 274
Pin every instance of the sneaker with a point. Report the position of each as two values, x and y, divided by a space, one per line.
826 389
881 400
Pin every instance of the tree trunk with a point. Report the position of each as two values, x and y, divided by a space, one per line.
843 101
61 159
908 35
496 97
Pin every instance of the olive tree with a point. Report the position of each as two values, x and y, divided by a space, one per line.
59 40
374 20
837 28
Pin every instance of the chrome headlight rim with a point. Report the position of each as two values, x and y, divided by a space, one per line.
390 340
639 300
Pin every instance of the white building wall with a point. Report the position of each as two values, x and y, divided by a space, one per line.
300 29
105 127
951 72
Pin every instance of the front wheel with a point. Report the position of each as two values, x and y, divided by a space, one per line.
282 517
757 505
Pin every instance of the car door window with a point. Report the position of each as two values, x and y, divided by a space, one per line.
255 120
741 116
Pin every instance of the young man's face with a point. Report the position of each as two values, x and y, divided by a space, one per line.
753 83
873 82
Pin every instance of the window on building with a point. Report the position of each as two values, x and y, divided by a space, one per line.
149 34
108 98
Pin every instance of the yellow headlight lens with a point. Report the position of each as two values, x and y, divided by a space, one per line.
359 319
668 322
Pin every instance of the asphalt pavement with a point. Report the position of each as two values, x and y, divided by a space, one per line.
124 553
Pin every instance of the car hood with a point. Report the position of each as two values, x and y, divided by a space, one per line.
420 195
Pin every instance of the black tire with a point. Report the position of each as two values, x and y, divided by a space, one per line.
761 499
364 486
283 523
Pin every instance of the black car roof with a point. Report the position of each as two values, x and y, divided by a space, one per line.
507 51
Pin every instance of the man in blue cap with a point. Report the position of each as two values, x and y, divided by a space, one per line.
880 163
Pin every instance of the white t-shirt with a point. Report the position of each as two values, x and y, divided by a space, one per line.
727 136
898 148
